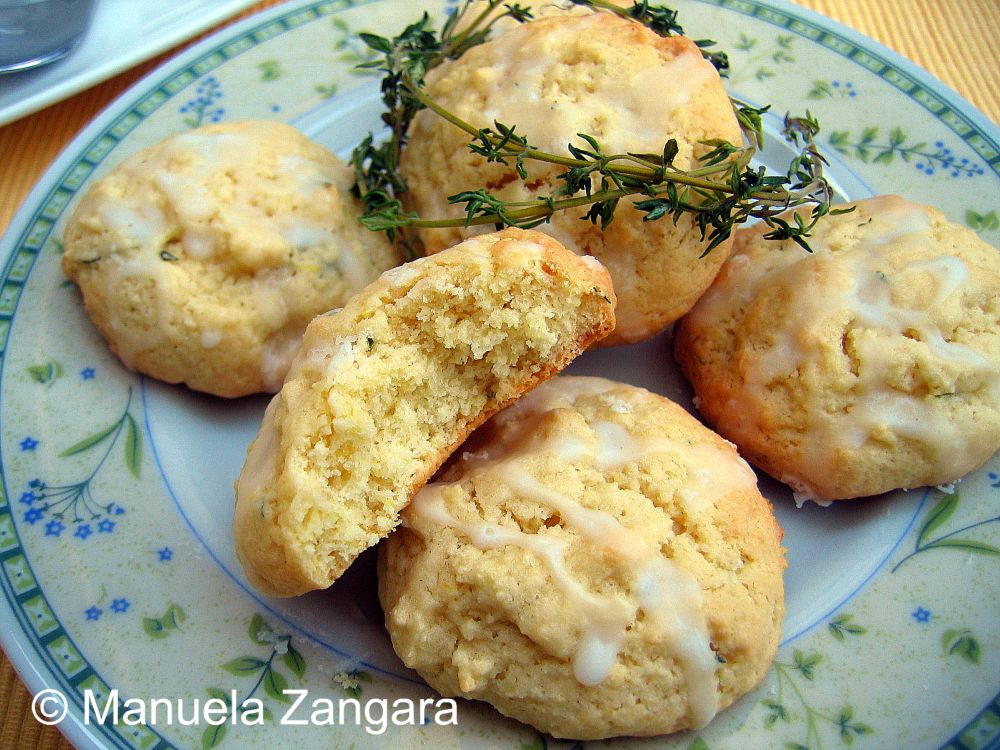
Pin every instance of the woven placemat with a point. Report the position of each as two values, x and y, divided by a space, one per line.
957 41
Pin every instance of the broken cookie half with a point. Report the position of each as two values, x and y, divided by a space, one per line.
385 389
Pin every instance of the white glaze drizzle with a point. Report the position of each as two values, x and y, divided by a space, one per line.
184 198
632 113
668 595
261 465
277 355
604 620
866 289
211 338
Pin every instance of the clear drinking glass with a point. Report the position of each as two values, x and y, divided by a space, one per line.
35 32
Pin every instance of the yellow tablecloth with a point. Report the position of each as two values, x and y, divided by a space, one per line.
958 41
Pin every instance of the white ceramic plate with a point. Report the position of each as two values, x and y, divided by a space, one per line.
122 33
116 564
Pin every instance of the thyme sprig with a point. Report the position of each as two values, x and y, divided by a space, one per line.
722 191
661 20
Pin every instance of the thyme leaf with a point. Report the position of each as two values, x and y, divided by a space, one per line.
722 191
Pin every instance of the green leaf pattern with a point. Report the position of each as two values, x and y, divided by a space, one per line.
792 704
270 70
961 643
936 518
871 147
161 627
76 502
92 440
939 514
842 626
132 444
213 736
792 707
46 374
351 681
269 679
762 62
982 222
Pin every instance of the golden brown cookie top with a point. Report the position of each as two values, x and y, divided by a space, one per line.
886 338
597 74
557 77
202 258
634 520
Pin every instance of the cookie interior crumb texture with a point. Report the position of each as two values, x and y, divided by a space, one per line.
384 389
202 259
595 563
871 364
553 78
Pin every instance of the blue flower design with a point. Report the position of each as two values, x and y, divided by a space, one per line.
869 147
28 444
120 605
75 504
87 373
201 107
33 515
994 479
165 554
845 89
949 163
921 615
93 612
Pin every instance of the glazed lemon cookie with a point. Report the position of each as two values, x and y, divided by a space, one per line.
386 388
595 563
870 364
538 9
556 77
202 259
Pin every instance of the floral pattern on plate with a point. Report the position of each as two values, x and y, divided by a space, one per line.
115 561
